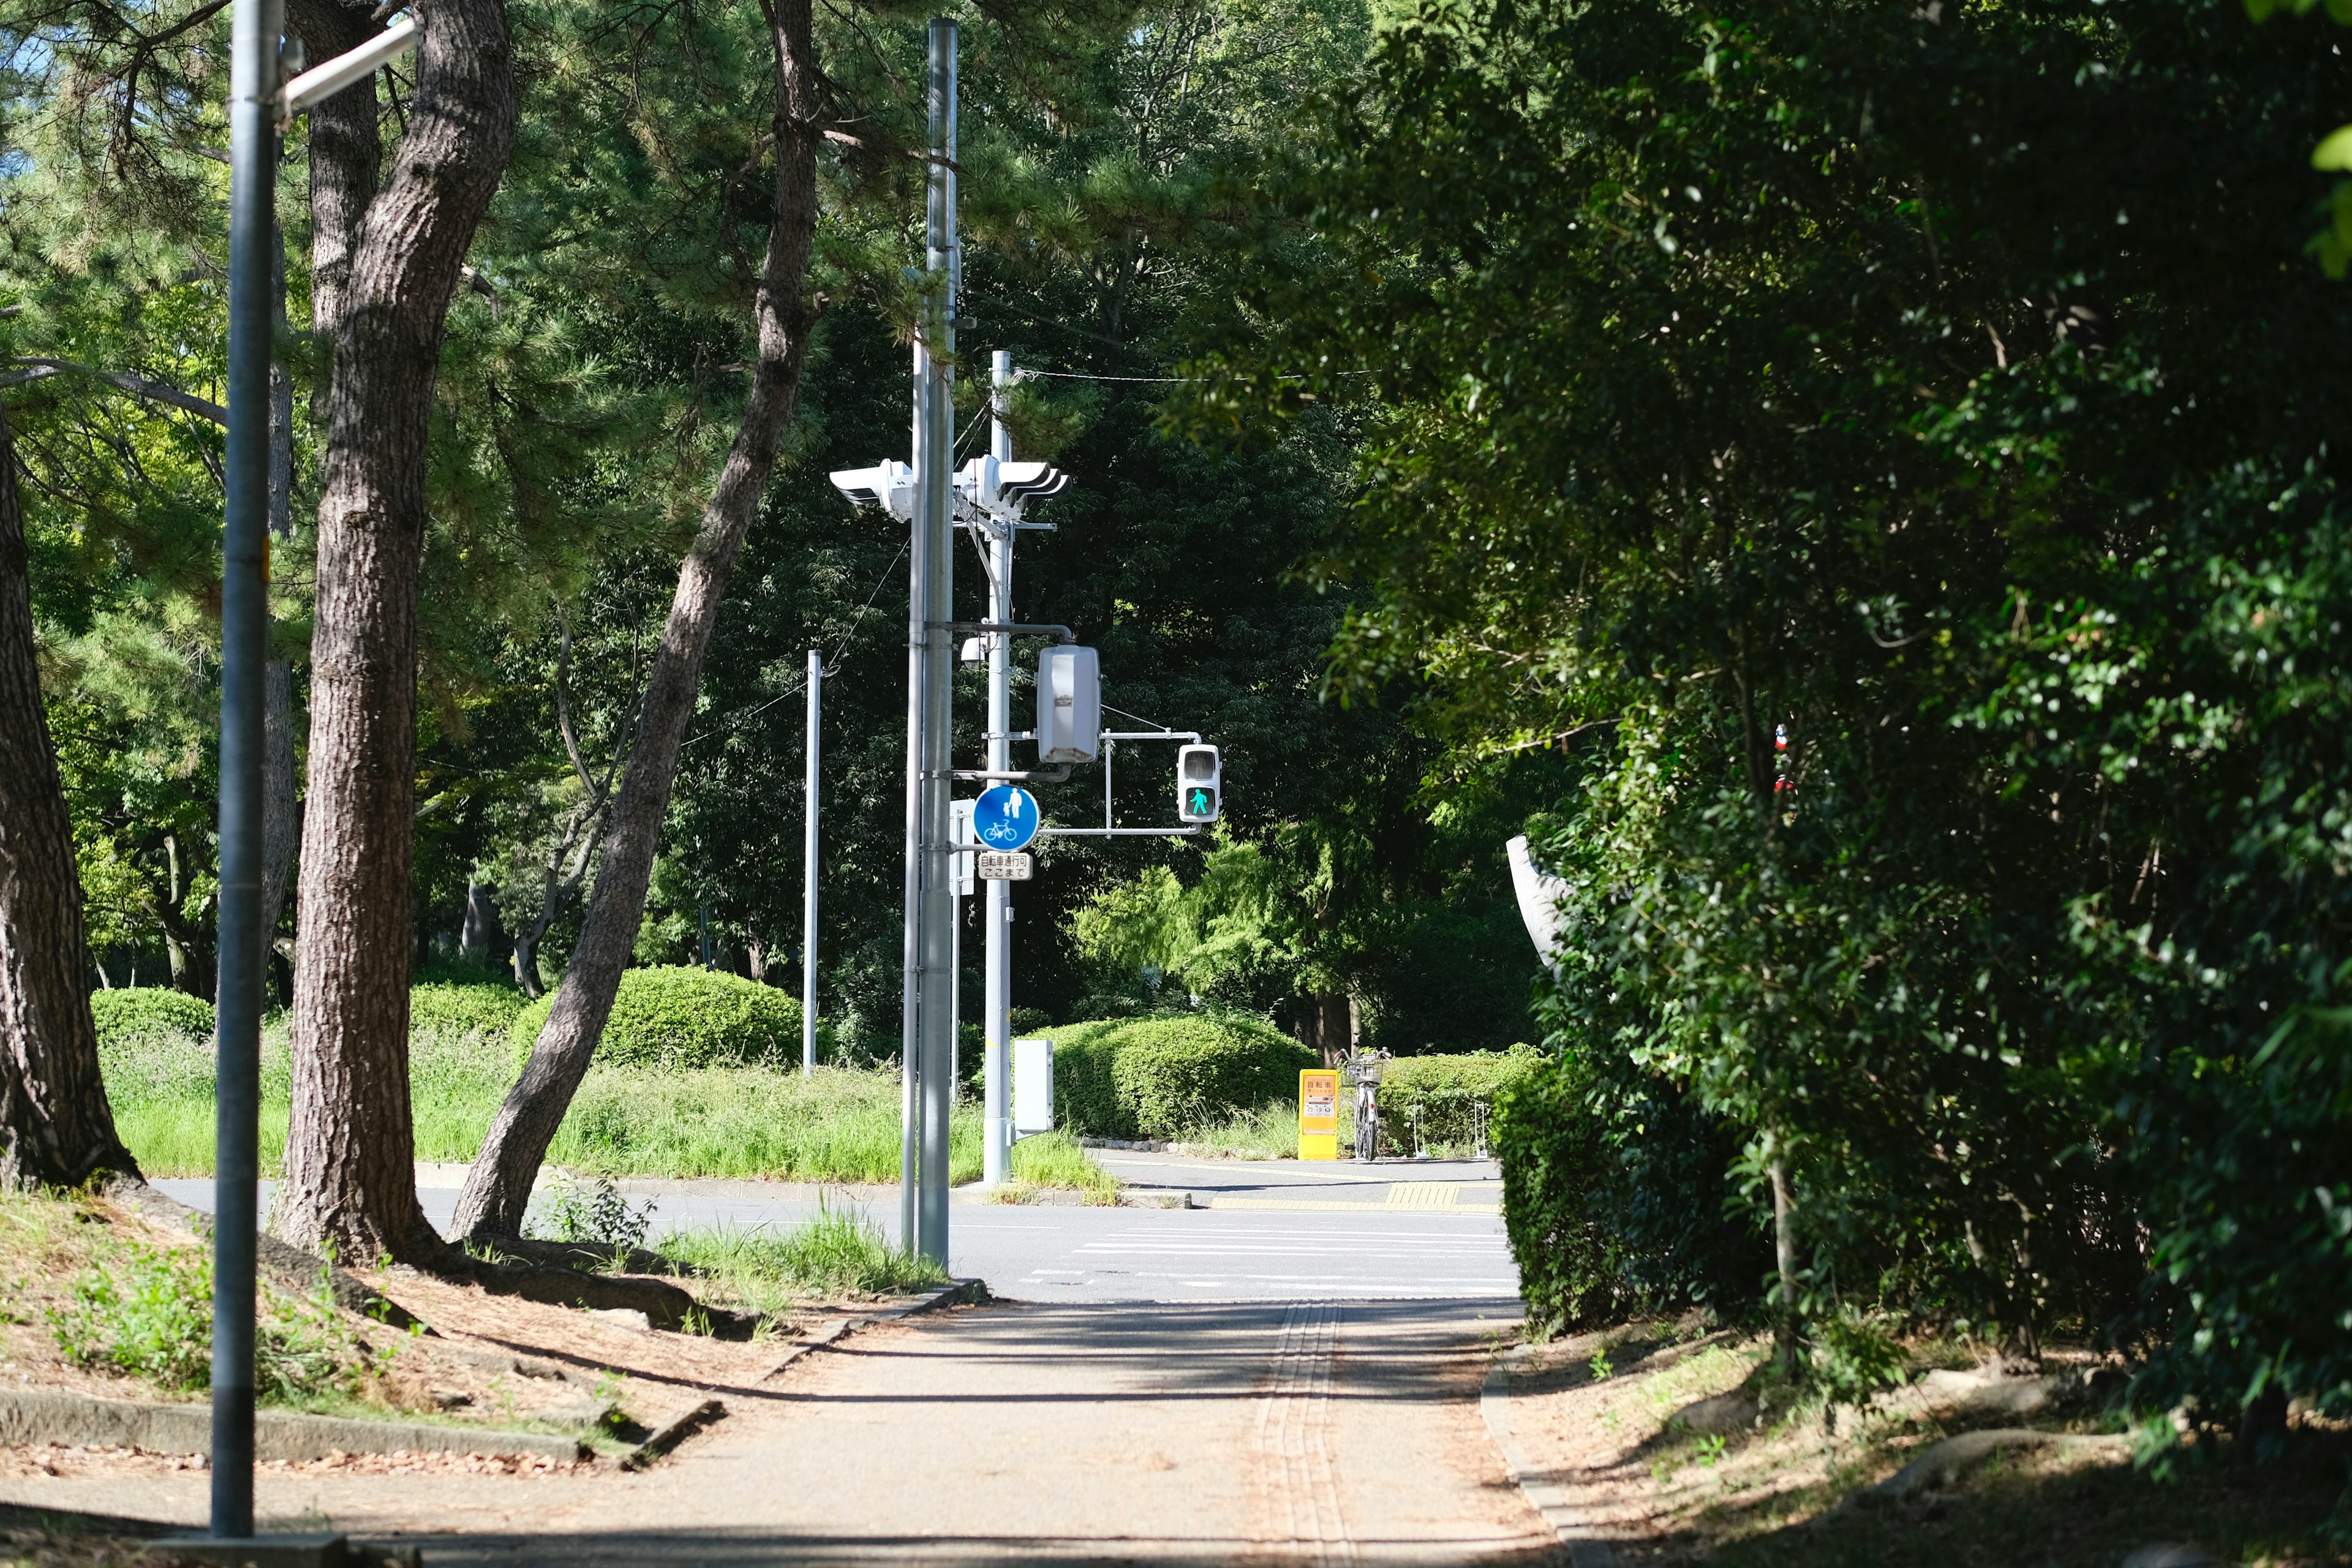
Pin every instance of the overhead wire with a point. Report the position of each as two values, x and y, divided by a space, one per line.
831 665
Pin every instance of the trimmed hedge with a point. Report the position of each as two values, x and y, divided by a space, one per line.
129 1012
685 1016
1446 1088
483 1005
1598 1171
1166 1077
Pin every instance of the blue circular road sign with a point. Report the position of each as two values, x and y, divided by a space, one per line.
1004 817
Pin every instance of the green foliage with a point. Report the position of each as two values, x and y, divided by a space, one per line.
145 1314
1855 1356
1618 1199
484 1007
592 1211
839 1252
1447 1090
685 1016
127 1012
1165 1076
1058 1160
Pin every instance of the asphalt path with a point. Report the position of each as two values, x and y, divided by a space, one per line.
1258 1229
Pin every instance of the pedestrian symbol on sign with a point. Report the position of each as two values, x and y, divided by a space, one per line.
1004 817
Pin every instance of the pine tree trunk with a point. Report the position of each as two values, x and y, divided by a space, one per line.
280 828
497 1188
350 1173
55 1127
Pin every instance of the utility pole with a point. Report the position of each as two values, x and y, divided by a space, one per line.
808 869
926 997
255 30
996 1021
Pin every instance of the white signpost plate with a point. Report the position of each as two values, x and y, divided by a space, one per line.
1006 865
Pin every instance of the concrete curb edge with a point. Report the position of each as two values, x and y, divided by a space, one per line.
31 1415
1584 1548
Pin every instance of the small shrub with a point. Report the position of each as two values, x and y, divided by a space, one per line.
146 1312
132 1012
1168 1075
685 1016
150 1315
1447 1090
480 1004
593 1211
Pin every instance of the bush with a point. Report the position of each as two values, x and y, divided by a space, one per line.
1615 1197
476 1005
685 1017
149 1010
1165 1076
1447 1090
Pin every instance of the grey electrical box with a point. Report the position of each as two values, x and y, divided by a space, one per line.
1033 1087
1069 705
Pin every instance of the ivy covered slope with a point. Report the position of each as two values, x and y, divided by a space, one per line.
1896 451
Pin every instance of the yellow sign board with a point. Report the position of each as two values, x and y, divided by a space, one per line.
1319 1114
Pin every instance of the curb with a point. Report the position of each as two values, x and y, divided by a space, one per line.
1585 1550
674 1433
834 1330
28 1417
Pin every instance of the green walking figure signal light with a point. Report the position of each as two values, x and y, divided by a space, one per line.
1199 792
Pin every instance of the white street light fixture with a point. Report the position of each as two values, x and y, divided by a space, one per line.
317 86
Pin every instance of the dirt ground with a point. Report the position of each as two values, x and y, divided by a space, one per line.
1643 1431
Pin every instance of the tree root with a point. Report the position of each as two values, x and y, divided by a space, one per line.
664 1305
556 1273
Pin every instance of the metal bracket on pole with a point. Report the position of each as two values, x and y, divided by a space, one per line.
1109 739
1039 775
981 628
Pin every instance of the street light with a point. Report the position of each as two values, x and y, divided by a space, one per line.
261 102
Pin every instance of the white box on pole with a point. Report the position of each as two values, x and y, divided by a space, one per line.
1033 1087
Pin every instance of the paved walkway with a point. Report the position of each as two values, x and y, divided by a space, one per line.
1288 1372
1308 1432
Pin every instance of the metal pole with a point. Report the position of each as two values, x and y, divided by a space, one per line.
910 1053
808 871
996 1023
254 31
934 517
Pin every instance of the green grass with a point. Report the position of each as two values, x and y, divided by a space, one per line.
1269 1133
840 1125
1058 1160
839 1252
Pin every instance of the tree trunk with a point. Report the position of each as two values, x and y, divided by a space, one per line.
1329 1026
497 1189
483 938
55 1127
1784 1258
350 1174
280 828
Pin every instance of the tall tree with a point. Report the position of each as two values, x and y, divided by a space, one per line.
389 261
497 1188
55 1124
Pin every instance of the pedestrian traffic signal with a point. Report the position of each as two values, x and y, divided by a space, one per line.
1200 792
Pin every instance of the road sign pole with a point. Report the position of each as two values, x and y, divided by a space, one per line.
808 868
996 1151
